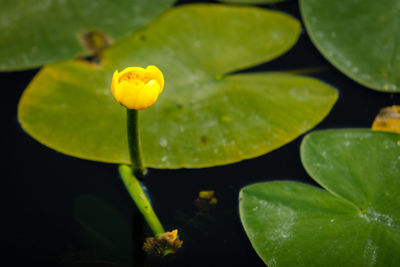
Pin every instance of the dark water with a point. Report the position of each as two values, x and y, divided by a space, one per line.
40 186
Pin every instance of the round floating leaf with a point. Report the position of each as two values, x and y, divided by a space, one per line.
205 116
361 38
33 33
356 222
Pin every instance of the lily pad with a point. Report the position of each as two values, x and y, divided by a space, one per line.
360 38
34 33
354 222
206 115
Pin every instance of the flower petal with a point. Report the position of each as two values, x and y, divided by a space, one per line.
114 82
148 95
137 88
130 70
157 75
126 93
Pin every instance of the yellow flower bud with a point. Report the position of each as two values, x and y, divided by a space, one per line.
137 88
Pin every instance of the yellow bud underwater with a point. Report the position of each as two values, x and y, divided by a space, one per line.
137 88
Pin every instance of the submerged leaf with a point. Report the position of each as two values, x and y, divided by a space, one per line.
106 233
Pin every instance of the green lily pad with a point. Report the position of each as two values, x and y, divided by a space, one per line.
355 222
205 116
34 33
360 38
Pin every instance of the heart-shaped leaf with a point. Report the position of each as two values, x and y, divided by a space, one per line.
33 33
356 222
360 38
205 115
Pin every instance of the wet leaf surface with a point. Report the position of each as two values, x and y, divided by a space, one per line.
360 38
34 33
355 221
206 115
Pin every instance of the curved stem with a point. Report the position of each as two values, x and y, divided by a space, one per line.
139 197
135 149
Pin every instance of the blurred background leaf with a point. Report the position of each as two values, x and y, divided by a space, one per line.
33 33
355 222
360 38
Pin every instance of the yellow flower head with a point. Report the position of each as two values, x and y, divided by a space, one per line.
137 88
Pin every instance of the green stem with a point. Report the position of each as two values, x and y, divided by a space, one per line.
135 150
139 197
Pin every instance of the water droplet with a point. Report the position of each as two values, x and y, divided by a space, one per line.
163 142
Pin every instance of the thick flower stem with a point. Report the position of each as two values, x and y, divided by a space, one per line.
135 149
139 197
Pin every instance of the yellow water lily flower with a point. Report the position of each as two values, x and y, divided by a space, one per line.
137 88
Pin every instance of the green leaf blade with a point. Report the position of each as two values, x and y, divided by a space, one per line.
360 38
200 119
380 167
34 33
290 223
290 214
